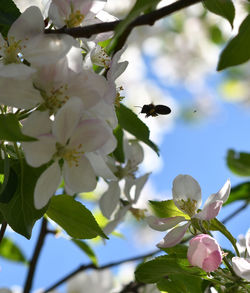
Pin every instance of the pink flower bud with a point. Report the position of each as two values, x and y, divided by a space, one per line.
204 252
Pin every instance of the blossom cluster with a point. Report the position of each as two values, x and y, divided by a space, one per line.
68 108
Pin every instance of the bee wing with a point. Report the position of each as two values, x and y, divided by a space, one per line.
162 109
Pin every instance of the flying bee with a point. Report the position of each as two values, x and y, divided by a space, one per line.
155 110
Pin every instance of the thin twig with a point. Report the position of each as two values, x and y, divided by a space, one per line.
146 19
92 266
229 217
3 229
35 256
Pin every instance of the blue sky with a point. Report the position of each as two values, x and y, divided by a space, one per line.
195 149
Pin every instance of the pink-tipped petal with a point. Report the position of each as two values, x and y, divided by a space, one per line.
210 211
204 252
173 237
212 262
222 194
163 224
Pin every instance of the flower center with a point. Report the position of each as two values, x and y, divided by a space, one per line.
118 97
188 206
75 18
70 154
12 50
55 98
101 58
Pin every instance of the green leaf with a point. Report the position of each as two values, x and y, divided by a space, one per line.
239 192
237 51
9 184
10 129
178 250
8 14
238 162
181 283
129 121
163 266
20 212
87 250
224 8
216 225
119 152
74 217
139 7
10 251
165 209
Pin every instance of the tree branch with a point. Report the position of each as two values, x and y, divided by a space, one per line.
146 19
2 231
235 213
35 256
92 266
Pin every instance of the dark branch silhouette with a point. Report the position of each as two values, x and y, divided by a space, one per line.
146 19
92 266
3 229
35 256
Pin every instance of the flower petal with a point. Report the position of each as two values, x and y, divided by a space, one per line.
39 152
28 24
163 224
91 134
210 211
47 185
186 188
120 214
173 237
80 178
45 49
16 71
66 120
110 199
100 167
204 252
222 194
241 267
248 242
27 96
37 124
212 262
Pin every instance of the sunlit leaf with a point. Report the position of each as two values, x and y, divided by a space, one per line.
140 7
180 283
239 192
224 8
86 249
237 51
165 209
74 217
238 162
129 121
215 225
10 251
160 267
